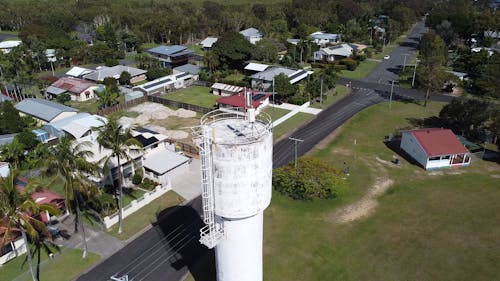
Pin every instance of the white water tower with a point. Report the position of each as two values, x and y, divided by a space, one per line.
236 163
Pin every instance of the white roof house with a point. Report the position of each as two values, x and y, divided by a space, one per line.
208 42
163 161
222 89
78 126
256 66
115 72
8 45
253 35
162 84
322 38
77 71
330 53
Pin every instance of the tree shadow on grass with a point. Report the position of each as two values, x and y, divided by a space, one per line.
181 225
429 122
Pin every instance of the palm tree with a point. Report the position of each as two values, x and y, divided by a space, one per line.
18 211
122 145
69 161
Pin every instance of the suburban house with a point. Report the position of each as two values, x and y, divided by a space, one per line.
162 164
44 111
4 97
208 42
8 45
435 148
102 72
256 67
188 68
264 80
322 38
222 89
76 126
166 83
237 102
253 35
78 89
336 52
154 161
78 72
171 56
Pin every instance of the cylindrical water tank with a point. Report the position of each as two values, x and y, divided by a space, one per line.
242 165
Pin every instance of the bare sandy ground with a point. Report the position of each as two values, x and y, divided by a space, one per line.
149 112
364 206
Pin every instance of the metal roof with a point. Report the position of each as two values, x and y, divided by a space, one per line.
42 109
55 91
256 66
163 161
437 141
77 71
9 44
4 98
251 32
226 87
321 35
271 72
167 50
208 42
72 85
189 68
114 72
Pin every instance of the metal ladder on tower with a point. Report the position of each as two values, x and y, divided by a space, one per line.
213 231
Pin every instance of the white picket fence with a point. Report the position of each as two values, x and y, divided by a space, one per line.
137 204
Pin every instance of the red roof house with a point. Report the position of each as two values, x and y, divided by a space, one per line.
435 148
237 101
79 89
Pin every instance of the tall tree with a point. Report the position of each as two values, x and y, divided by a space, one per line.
123 147
433 52
233 50
68 160
19 213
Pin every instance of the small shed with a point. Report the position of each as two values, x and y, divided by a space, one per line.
133 95
162 165
222 89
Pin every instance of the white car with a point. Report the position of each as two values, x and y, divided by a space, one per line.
386 57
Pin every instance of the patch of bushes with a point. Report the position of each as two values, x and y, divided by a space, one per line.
313 179
148 184
349 63
137 179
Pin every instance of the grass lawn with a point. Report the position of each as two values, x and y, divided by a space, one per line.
363 69
54 183
134 195
333 96
275 113
291 124
196 95
439 225
197 49
145 216
65 266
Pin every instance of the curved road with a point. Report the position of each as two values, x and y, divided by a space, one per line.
170 248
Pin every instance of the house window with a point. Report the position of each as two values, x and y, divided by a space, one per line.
7 248
87 94
445 157
434 158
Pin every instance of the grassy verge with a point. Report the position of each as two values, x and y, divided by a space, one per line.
363 69
196 95
439 225
333 96
65 266
275 113
145 216
134 195
291 124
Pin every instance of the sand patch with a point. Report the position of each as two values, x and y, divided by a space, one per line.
366 205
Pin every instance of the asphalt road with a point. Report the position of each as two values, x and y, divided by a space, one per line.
170 248
388 70
165 252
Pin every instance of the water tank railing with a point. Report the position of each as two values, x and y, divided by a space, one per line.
211 235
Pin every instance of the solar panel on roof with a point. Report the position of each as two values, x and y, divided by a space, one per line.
182 75
297 74
145 130
156 84
257 97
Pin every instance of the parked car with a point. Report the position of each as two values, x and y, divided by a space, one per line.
386 57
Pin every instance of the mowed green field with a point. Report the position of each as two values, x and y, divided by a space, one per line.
196 95
437 225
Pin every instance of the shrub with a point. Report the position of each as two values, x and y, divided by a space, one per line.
137 179
313 179
148 184
349 63
339 67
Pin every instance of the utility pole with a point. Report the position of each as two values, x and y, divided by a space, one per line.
296 141
404 62
390 97
321 94
414 73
